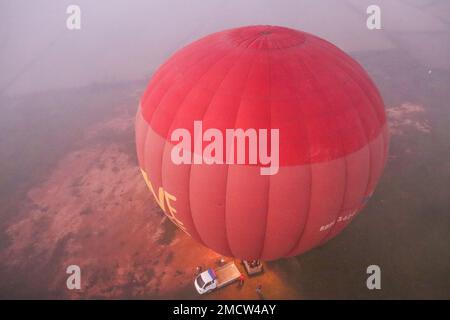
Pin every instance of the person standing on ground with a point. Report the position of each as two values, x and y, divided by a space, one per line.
259 292
241 280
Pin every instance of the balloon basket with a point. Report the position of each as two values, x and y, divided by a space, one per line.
253 267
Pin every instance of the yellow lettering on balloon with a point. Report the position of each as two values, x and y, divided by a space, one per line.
160 198
172 211
169 198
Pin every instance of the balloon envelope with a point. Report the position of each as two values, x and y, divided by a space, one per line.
333 140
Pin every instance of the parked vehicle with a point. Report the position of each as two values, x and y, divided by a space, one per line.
213 279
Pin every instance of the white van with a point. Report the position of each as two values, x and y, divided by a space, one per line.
212 279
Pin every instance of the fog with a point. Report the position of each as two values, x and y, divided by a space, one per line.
126 40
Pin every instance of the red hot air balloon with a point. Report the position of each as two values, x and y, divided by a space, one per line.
333 140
